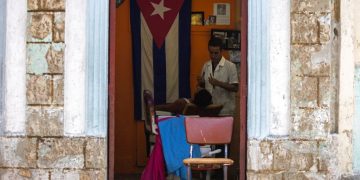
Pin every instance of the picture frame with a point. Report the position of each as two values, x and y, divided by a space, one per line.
221 9
231 38
222 13
197 18
212 20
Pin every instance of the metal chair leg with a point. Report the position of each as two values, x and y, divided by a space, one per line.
208 175
189 173
225 172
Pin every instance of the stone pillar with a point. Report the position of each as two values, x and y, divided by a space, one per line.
311 47
313 149
45 67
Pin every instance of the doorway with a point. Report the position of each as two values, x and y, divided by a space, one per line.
127 154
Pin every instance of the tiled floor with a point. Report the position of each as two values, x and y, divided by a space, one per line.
127 176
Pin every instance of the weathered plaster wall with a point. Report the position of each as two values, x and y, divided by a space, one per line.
319 141
311 58
43 151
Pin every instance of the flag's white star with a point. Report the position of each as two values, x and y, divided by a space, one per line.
159 9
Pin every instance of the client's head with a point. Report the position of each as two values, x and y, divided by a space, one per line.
202 98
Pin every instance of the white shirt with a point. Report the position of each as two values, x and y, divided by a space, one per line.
225 71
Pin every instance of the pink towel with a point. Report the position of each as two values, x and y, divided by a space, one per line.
155 167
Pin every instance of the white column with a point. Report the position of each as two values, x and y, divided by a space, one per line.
258 61
74 67
97 24
15 73
269 68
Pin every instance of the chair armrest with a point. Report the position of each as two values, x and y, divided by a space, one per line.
154 129
163 113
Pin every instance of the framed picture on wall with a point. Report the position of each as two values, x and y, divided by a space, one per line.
231 38
212 20
222 12
197 18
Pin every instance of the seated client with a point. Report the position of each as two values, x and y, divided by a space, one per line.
202 98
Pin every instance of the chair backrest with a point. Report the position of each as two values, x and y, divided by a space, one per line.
209 130
211 110
149 109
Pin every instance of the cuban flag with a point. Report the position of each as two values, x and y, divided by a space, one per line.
161 50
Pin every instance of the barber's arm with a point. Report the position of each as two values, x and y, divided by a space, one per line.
227 86
175 108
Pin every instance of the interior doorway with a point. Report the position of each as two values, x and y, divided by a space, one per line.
126 135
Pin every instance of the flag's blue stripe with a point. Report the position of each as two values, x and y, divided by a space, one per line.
136 48
159 68
184 49
159 58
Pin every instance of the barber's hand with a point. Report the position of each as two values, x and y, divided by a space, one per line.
213 81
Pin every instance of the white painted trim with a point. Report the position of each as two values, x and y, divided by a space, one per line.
15 73
279 66
356 125
74 68
2 63
346 87
357 31
346 68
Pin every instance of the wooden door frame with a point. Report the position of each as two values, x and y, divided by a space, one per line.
111 90
242 90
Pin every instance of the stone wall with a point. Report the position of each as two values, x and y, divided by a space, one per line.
310 151
44 152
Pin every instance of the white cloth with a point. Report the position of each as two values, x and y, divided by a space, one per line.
225 71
